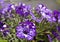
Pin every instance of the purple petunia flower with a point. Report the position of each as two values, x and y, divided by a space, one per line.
45 12
23 10
4 29
6 7
40 8
56 14
2 26
6 10
26 30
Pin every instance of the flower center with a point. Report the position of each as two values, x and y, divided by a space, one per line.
25 32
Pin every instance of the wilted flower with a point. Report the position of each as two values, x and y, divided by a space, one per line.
26 30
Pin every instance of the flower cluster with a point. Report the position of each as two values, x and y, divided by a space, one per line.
27 28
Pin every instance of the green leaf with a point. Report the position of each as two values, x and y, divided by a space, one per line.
1 40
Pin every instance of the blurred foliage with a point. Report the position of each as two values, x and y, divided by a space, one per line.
1 40
58 1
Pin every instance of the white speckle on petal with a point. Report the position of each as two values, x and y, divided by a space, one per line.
23 4
25 35
13 7
43 14
4 25
40 6
27 26
33 26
